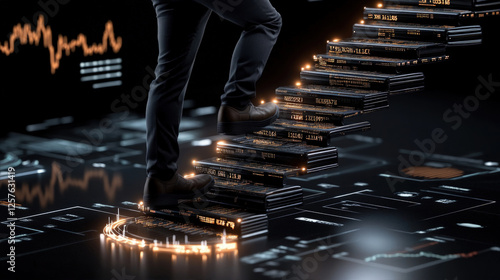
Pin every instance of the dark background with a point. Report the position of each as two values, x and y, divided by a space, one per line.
31 94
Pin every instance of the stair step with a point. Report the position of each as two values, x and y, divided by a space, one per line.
386 48
297 154
453 4
450 35
247 171
374 63
318 134
333 97
253 196
233 220
309 113
393 83
420 15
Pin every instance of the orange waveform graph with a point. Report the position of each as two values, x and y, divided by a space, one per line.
27 193
26 35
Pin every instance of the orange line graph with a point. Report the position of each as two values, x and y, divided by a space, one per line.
26 193
26 35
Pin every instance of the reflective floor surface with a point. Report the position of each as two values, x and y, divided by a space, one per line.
413 198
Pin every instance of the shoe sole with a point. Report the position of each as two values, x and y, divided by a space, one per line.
244 127
173 199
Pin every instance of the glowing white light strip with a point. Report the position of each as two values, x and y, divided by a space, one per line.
100 69
107 84
101 76
100 62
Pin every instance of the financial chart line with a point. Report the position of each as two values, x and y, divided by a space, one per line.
25 35
418 247
26 193
421 254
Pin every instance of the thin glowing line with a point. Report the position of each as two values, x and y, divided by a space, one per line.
101 76
100 62
107 84
100 69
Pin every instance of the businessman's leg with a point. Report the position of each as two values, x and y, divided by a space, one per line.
261 24
181 25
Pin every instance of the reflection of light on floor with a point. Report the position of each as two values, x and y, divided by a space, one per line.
116 231
26 193
407 194
469 225
430 172
421 254
202 143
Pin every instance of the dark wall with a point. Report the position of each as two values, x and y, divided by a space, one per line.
31 94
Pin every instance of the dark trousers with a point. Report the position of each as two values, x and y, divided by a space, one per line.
181 24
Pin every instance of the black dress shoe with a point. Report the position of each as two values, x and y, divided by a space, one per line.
232 121
159 194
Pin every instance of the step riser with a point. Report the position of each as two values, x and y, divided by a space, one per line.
377 65
447 35
452 4
247 171
364 80
332 97
254 197
308 133
272 156
386 48
420 16
304 113
221 218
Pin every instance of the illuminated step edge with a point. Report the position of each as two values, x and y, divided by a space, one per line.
219 217
318 134
297 154
450 35
254 196
247 171
453 4
421 15
435 16
486 14
328 96
386 48
373 63
393 83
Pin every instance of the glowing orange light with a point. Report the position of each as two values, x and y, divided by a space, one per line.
275 101
308 66
380 5
298 84
362 22
25 35
262 102
114 232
